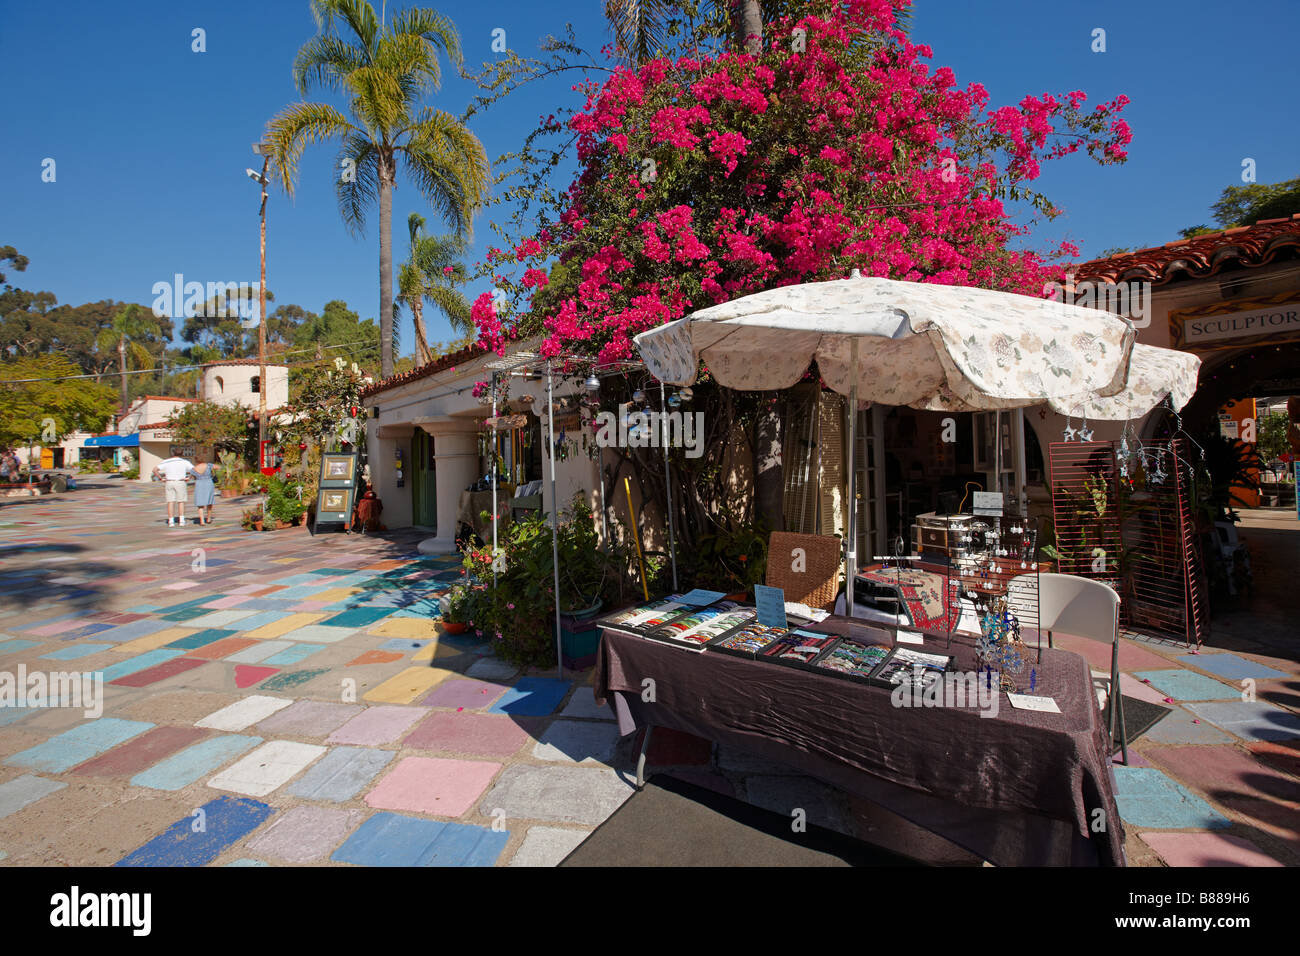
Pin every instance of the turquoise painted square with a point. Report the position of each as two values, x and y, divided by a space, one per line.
1148 798
1185 685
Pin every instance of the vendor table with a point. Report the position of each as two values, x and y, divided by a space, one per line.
1022 788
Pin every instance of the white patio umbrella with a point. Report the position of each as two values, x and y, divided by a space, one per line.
1154 375
924 345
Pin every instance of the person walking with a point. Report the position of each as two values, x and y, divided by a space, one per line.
204 490
173 472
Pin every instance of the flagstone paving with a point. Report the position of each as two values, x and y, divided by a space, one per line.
298 694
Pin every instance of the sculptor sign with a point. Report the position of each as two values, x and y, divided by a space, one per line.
1234 325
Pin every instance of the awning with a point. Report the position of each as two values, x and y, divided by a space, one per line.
112 441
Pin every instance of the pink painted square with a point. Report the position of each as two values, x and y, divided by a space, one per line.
377 725
311 606
1206 849
221 604
492 735
180 585
445 788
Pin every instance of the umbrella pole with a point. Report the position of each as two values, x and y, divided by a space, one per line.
604 526
851 559
668 480
555 517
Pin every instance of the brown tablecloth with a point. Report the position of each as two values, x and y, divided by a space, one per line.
1020 788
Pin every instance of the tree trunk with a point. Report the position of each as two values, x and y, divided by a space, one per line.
422 354
386 266
121 361
768 471
747 20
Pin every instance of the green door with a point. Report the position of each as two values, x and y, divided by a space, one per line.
424 502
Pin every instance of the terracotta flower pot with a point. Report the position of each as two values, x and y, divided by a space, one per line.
454 627
257 525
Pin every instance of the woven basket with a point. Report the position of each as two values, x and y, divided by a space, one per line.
819 583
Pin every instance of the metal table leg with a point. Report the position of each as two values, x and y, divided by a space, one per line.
640 760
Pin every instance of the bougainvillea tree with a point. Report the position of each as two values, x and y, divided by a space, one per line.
838 146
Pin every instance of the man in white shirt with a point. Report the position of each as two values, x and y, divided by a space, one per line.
173 472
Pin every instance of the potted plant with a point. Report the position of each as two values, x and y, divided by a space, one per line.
252 519
455 608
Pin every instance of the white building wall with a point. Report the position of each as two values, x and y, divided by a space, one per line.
233 385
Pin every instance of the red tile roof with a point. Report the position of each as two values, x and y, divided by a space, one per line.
424 371
1200 256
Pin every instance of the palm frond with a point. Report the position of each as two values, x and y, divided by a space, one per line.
433 27
448 165
640 26
296 127
357 194
325 61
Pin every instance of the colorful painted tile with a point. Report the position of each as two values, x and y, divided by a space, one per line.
24 791
222 648
391 839
1231 667
64 751
1148 798
532 697
405 687
142 752
565 794
243 713
1253 720
578 741
1181 727
258 652
159 672
152 641
341 774
309 718
286 623
16 645
583 704
267 768
377 725
488 735
1206 849
489 668
317 634
287 680
75 651
226 820
182 769
357 617
292 655
246 675
1185 685
305 834
467 694
375 657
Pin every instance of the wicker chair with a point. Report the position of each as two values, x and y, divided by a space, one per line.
819 580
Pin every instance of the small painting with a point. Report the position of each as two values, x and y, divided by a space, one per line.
339 467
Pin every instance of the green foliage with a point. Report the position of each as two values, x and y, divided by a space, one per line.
731 558
212 425
1272 436
1246 205
518 613
284 498
70 404
325 398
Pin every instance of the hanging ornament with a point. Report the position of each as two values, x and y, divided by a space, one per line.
638 397
674 400
686 394
1070 431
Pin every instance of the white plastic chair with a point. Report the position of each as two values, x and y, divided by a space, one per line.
1084 608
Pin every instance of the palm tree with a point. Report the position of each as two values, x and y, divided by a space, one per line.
426 275
124 335
641 27
385 70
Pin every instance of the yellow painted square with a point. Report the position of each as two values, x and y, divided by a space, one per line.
432 650
336 594
409 627
290 622
409 684
153 641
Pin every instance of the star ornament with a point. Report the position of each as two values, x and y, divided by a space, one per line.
1085 434
1070 432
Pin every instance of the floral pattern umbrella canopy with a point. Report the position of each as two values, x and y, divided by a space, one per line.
949 348
1154 374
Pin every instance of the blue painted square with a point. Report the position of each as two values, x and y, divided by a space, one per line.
187 614
292 655
225 821
186 766
1253 720
16 645
257 620
532 697
1148 798
64 751
75 651
402 644
1231 666
390 839
138 663
86 631
1185 685
129 632
200 638
357 617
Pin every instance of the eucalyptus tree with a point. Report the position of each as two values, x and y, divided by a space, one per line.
385 70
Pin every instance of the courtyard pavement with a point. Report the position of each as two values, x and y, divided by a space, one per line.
283 699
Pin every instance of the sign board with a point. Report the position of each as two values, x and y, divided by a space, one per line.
338 489
1271 318
988 503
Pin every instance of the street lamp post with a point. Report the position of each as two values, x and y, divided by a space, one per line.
261 150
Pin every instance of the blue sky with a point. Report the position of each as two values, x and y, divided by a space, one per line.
151 139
